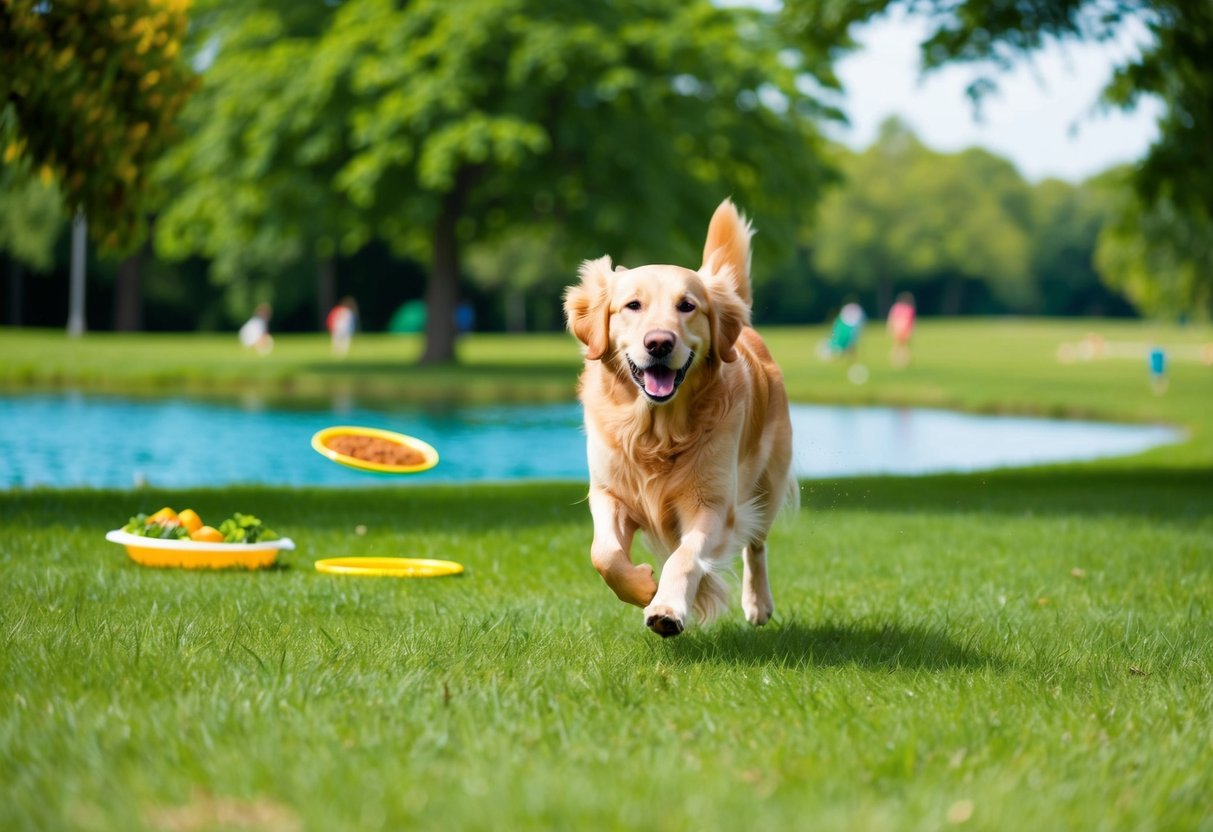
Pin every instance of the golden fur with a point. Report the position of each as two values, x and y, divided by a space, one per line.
688 434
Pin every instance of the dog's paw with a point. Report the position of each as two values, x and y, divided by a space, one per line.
633 584
758 605
643 585
663 621
758 614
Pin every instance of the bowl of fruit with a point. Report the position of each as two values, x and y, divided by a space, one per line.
182 540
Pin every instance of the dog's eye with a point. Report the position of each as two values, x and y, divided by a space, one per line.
633 305
685 306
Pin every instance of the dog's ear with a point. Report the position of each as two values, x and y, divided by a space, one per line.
587 307
728 315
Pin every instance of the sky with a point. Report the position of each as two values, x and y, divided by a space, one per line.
1045 118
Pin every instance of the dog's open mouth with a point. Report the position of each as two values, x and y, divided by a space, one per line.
658 381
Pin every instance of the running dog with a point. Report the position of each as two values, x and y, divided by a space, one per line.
688 433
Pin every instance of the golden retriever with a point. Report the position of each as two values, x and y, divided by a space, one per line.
688 433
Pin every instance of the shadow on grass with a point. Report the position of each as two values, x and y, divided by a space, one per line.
296 512
890 647
1175 494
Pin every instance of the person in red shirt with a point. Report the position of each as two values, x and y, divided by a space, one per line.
901 327
341 322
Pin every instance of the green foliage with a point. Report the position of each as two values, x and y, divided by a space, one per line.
622 121
521 266
907 215
249 185
31 216
434 124
1066 224
1160 256
522 260
1174 183
89 90
1178 69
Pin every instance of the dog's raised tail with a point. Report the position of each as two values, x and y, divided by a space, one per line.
728 247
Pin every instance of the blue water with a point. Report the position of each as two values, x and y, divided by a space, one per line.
76 440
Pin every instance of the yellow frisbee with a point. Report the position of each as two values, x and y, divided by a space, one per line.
338 444
389 567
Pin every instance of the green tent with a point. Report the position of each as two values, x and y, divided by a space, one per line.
410 317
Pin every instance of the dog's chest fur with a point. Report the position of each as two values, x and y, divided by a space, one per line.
656 460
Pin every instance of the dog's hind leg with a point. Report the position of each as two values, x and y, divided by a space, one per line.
755 587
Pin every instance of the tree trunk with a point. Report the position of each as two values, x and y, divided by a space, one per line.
128 294
515 310
442 289
16 291
75 297
953 296
326 288
884 295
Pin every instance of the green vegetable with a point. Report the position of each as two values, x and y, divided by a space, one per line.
164 530
239 528
245 528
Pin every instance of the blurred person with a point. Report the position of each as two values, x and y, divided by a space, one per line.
1157 360
255 334
844 340
342 320
465 318
901 327
848 326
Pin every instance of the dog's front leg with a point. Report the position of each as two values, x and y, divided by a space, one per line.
611 550
704 538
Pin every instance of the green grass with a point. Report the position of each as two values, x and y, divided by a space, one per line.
993 365
1019 649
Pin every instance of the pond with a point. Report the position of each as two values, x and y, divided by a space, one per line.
82 440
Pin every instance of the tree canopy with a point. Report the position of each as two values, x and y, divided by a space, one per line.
1159 254
89 91
906 214
1174 182
1067 220
443 121
31 216
503 138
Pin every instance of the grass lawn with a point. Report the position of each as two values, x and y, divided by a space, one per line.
1019 649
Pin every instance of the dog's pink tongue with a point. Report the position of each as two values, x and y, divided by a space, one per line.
659 381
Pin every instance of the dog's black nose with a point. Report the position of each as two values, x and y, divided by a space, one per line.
659 343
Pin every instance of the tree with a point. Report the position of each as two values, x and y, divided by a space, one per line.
1175 180
1158 255
907 215
1066 223
30 220
89 90
517 266
439 122
251 185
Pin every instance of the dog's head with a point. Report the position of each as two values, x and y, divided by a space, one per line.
657 325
